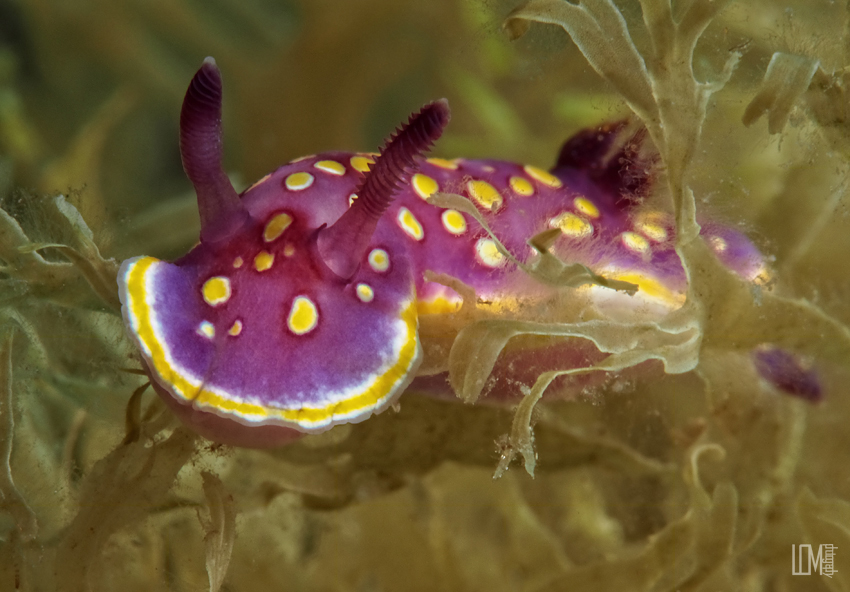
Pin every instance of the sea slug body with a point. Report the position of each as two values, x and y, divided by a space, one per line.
300 308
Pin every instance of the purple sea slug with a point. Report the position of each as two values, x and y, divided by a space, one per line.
299 308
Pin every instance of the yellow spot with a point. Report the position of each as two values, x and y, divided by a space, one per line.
303 317
651 225
237 263
216 290
439 305
649 286
652 231
365 292
485 194
289 250
263 261
206 329
410 224
454 222
235 328
299 181
424 185
572 225
361 163
488 253
635 242
276 226
379 260
544 177
351 199
330 166
586 207
718 244
442 163
522 186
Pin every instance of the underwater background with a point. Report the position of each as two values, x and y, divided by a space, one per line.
699 481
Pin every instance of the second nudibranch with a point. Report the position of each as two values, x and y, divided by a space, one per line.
299 308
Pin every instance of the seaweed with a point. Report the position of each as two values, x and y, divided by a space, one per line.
700 479
721 310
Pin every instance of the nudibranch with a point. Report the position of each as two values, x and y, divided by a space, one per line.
299 308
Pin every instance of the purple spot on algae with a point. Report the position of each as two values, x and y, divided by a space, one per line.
788 372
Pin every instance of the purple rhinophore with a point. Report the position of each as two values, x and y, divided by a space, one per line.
222 214
393 167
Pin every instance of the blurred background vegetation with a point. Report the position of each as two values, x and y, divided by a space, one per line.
105 498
